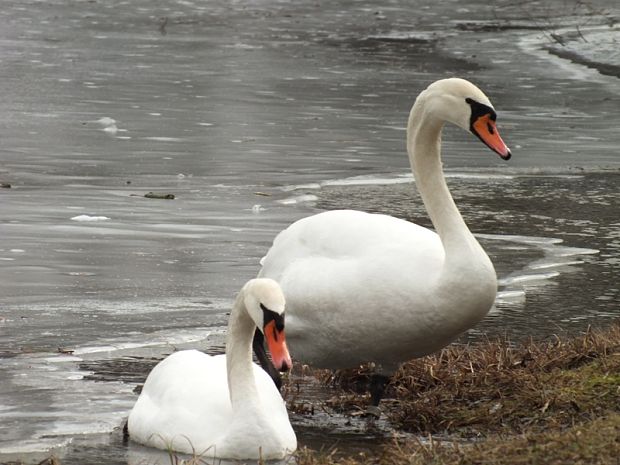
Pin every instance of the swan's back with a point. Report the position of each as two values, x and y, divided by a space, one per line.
349 234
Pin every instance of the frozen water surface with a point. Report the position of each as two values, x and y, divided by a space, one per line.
252 115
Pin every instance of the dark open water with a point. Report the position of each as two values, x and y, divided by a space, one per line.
223 102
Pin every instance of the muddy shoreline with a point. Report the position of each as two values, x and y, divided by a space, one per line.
608 69
553 400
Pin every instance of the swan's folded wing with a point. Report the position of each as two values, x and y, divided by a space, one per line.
346 235
184 403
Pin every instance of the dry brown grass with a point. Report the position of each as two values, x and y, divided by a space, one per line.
550 402
498 387
593 443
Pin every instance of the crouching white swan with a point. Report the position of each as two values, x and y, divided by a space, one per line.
366 287
222 406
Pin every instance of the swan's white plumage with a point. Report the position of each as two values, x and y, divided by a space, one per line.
185 404
372 288
369 285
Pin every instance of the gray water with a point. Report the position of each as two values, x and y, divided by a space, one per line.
255 114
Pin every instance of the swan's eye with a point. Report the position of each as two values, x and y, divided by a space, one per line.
270 315
478 111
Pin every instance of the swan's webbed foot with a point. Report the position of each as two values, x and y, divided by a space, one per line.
378 383
258 344
377 386
373 412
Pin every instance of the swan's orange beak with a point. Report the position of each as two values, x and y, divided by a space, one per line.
484 127
276 342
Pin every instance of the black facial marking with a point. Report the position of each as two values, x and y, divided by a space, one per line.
270 315
477 110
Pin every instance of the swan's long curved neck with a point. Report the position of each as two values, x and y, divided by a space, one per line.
241 381
423 147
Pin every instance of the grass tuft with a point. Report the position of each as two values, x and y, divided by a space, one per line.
555 401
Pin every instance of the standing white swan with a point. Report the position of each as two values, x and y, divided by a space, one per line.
222 406
373 288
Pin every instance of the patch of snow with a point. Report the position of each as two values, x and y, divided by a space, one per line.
89 218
